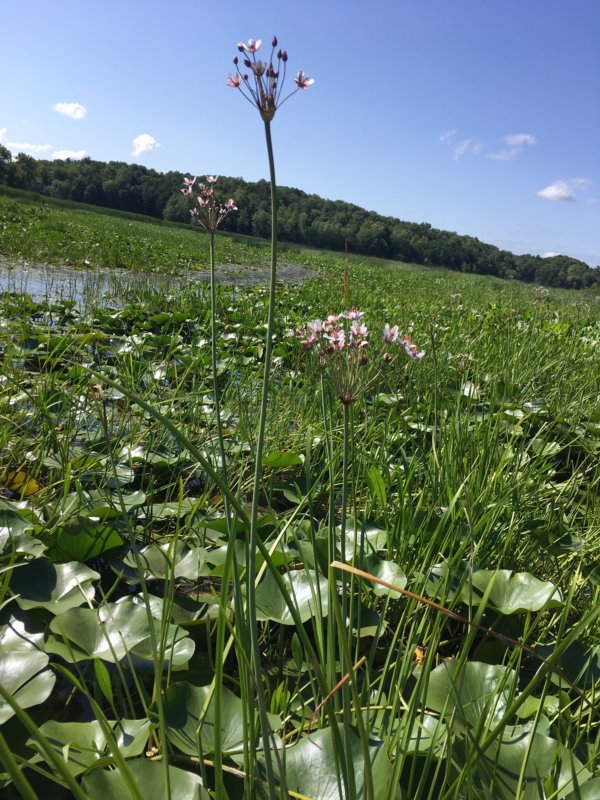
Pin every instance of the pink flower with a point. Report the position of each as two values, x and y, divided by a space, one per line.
359 330
188 184
234 81
230 206
211 179
316 326
390 335
337 339
252 46
411 350
353 314
302 82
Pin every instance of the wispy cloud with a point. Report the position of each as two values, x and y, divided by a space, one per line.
72 110
144 143
514 144
459 147
564 190
448 135
74 155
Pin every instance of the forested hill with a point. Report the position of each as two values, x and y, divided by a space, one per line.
303 218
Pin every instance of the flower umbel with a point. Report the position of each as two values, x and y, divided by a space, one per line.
208 211
341 343
262 85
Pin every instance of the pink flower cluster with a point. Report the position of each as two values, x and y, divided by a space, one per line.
208 211
391 336
263 87
335 332
340 343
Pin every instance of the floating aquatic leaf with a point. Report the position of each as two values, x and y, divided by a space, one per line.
23 672
81 744
306 588
190 712
56 587
150 778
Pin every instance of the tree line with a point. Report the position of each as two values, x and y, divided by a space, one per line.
303 218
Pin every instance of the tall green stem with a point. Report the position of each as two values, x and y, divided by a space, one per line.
252 543
213 344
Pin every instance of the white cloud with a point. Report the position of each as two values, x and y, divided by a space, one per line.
564 190
447 135
143 143
73 110
27 147
23 147
74 155
514 143
465 146
550 254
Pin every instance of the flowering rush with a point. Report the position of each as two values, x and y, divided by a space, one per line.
262 84
208 211
341 342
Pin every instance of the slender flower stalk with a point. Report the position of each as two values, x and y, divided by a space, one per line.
263 87
209 213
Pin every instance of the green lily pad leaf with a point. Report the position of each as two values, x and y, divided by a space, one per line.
304 587
190 713
112 630
160 560
151 780
386 571
373 538
512 592
186 609
81 744
160 511
56 587
522 759
14 536
589 791
550 704
281 460
23 672
310 767
425 734
82 539
108 505
476 694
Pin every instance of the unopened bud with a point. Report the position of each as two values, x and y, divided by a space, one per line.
283 56
235 60
274 42
247 63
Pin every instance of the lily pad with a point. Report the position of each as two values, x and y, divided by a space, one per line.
23 672
81 744
304 587
56 587
160 560
310 767
111 631
151 780
475 695
190 714
511 593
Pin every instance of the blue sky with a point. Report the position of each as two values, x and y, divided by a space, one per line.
478 117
